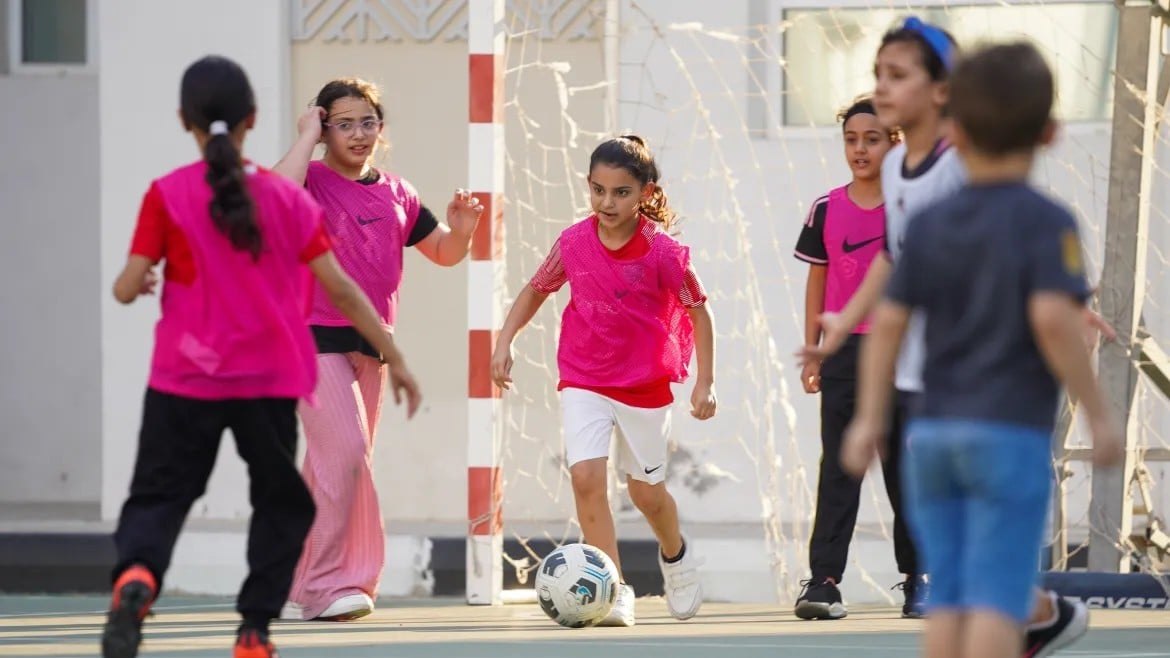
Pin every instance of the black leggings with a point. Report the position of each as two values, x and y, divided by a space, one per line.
838 494
177 449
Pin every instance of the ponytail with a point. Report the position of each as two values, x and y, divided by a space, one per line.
657 209
231 206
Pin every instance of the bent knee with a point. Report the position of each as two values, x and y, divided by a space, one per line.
589 478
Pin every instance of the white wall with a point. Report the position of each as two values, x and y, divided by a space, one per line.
50 355
145 47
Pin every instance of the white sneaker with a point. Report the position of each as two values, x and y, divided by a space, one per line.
347 608
623 608
684 592
292 612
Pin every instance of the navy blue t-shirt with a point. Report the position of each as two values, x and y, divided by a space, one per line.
972 262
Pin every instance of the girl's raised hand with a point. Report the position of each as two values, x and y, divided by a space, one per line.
309 123
463 213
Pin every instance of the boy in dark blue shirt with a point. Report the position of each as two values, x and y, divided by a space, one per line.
997 269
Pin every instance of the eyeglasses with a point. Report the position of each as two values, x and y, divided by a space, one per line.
347 127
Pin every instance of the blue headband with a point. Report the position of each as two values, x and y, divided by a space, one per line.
934 37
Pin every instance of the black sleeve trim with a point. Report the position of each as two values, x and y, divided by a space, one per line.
810 246
423 226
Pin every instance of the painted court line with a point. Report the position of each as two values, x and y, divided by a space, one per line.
78 613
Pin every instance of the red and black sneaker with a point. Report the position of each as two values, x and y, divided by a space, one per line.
254 643
134 591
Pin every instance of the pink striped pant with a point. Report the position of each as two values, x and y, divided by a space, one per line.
345 551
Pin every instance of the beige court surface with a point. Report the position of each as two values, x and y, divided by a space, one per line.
186 627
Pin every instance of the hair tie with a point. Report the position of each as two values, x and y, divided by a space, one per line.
218 128
935 38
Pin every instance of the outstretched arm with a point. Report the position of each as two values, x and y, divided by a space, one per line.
526 305
449 243
703 402
838 326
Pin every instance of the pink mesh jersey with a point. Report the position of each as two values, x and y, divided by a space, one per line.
624 325
238 329
368 225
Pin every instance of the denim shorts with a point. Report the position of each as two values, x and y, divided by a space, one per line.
977 496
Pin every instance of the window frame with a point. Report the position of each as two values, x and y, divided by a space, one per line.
16 63
771 110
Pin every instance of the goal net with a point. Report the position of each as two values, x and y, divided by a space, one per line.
738 101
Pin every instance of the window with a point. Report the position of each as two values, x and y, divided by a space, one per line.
50 35
828 53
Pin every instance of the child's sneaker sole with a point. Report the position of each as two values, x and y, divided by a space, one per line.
812 610
123 630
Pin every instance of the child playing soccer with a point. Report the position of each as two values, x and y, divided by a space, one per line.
911 71
232 351
636 312
371 217
842 236
1004 330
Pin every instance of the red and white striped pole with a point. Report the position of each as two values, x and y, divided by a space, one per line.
485 544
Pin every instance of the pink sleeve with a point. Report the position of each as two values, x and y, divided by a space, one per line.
692 294
679 277
551 275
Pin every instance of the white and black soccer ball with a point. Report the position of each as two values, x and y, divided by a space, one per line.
577 585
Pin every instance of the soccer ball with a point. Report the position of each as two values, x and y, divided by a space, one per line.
576 585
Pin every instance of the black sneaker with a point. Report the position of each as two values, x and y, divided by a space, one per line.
133 593
820 601
914 590
1072 621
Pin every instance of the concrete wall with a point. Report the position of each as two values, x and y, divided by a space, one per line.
141 139
51 353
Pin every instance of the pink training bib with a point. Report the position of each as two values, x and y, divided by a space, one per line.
624 325
238 329
369 226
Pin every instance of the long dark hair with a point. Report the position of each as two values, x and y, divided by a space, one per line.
215 89
630 152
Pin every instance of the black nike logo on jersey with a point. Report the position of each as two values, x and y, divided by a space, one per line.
850 248
366 222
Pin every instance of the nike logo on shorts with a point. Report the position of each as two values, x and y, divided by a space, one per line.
651 470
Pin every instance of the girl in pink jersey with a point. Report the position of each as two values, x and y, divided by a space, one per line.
371 216
636 314
232 351
844 232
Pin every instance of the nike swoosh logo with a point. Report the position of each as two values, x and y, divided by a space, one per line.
850 248
367 222
651 470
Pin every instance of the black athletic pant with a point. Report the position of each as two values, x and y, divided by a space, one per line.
838 494
177 448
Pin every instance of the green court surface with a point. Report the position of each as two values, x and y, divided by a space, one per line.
442 628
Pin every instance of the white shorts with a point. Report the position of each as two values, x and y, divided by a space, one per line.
590 419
